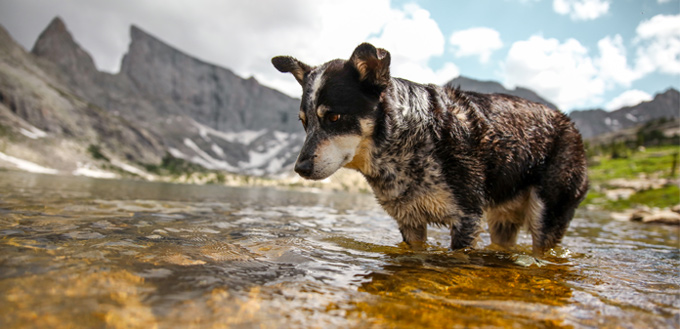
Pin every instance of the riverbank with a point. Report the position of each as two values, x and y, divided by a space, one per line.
641 181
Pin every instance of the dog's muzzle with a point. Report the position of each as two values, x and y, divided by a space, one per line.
304 167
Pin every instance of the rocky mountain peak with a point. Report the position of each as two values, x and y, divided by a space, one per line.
137 33
5 38
596 122
56 44
493 87
212 95
8 47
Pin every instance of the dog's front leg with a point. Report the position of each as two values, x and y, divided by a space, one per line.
414 235
464 231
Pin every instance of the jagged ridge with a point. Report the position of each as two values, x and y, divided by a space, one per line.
190 104
593 123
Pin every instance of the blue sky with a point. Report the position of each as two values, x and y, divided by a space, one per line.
520 20
578 54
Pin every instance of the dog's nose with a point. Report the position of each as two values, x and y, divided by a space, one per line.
304 168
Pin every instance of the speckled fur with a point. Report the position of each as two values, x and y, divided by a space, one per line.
443 156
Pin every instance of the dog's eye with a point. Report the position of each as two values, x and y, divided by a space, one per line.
333 117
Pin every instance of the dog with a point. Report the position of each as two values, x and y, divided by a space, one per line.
439 155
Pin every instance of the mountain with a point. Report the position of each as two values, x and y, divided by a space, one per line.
191 109
44 125
492 87
211 95
593 123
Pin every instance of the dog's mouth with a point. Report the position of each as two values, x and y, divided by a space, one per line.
321 167
327 157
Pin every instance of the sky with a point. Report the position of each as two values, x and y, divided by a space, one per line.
578 54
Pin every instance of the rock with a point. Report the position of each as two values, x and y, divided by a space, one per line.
619 194
639 184
656 217
639 215
676 208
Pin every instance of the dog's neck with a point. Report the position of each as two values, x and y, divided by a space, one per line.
409 114
405 101
403 114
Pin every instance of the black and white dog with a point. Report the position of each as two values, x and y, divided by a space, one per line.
442 156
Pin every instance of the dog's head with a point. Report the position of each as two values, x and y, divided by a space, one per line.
338 109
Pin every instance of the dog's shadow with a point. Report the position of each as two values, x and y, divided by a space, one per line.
436 283
436 277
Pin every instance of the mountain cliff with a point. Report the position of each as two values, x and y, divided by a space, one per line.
211 95
45 123
593 123
195 110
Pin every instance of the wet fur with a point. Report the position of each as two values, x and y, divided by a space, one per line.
436 155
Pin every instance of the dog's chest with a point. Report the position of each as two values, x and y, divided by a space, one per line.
410 185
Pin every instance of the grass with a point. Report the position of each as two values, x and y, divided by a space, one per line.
654 162
173 166
664 197
96 153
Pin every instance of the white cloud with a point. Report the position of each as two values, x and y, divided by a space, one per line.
562 72
613 63
412 37
658 45
567 74
244 35
476 41
423 74
581 10
628 98
663 1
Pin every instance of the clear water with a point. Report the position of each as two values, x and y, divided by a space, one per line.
79 252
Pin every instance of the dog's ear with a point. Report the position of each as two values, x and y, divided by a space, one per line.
373 64
289 64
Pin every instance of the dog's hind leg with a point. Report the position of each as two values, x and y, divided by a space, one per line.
465 231
553 227
503 232
506 219
561 189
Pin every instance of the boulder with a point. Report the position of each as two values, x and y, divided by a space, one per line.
667 217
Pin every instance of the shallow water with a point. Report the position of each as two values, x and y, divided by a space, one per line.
79 252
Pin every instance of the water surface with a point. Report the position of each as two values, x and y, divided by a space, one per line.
80 252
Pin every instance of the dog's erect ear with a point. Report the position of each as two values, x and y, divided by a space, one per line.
289 64
372 63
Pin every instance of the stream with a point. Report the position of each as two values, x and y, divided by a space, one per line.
93 253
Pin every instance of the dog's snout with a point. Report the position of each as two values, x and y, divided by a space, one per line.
304 167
